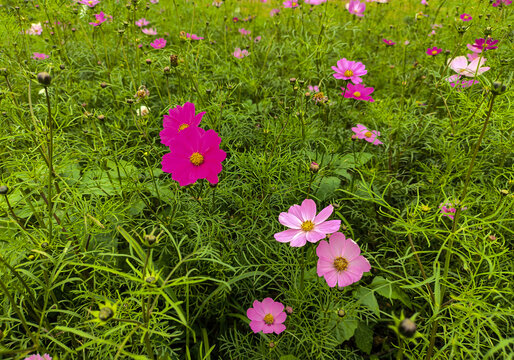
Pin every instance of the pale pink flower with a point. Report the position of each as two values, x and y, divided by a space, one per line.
473 56
314 2
149 31
424 2
274 12
142 22
38 357
362 132
244 32
238 53
305 225
460 66
349 70
90 3
340 261
355 7
290 4
39 56
35 29
267 316
314 89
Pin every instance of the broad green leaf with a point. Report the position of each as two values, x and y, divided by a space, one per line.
364 337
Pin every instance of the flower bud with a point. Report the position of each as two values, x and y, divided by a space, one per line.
271 345
498 88
407 328
44 78
105 313
103 85
341 313
101 117
292 81
62 67
289 310
174 60
166 70
148 61
4 72
488 31
314 167
4 190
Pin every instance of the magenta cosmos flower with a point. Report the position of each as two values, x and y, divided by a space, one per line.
356 8
500 2
178 119
448 209
465 17
290 4
244 32
238 53
305 225
362 132
195 154
433 51
267 316
340 261
158 43
482 45
100 19
461 67
39 56
389 42
38 357
349 70
274 12
358 92
193 37
149 31
90 3
142 22
315 2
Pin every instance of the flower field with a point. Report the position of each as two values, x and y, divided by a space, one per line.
256 180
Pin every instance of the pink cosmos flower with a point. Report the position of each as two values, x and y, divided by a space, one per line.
349 70
267 316
274 12
290 4
304 225
142 22
38 357
314 89
465 17
358 92
35 29
340 261
356 8
244 32
238 53
362 132
389 42
39 56
195 154
149 31
90 3
448 209
314 2
461 67
154 1
433 51
500 2
178 119
472 56
432 33
100 19
463 83
424 2
257 39
193 37
482 45
158 43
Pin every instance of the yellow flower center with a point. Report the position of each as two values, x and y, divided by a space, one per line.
268 319
348 73
425 208
196 159
368 134
307 225
357 94
183 126
341 264
434 52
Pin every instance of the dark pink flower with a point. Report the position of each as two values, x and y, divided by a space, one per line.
500 2
465 17
340 261
290 4
358 92
90 3
100 19
178 119
195 154
482 45
39 56
362 132
193 37
356 8
433 51
448 209
267 316
389 42
349 70
304 225
158 43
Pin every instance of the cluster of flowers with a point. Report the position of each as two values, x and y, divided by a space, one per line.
339 259
194 152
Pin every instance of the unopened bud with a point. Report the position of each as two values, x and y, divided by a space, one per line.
407 328
44 78
4 190
103 85
314 167
105 313
341 313
498 88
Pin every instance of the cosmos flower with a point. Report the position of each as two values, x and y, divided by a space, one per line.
482 45
389 42
267 316
362 132
274 12
38 357
244 32
290 4
39 56
142 22
424 2
465 17
238 53
35 29
158 43
304 225
448 209
90 3
461 67
340 261
149 31
433 51
314 2
356 8
178 119
358 92
314 89
143 111
349 70
502 2
100 19
257 39
193 37
194 154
